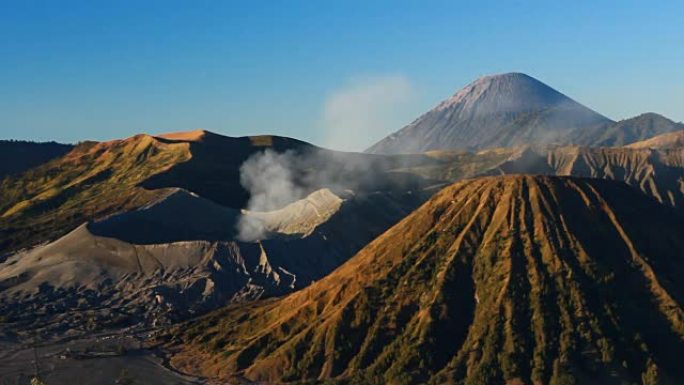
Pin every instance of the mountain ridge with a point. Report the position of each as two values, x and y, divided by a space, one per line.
514 279
627 131
17 156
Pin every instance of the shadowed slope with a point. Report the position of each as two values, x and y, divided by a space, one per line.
626 131
100 179
18 156
178 257
512 279
213 171
96 180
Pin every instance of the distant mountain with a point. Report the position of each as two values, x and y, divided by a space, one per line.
17 156
496 280
494 111
626 131
656 172
663 141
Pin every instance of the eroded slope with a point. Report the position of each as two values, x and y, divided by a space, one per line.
512 279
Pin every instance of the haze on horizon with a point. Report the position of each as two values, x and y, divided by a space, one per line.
77 70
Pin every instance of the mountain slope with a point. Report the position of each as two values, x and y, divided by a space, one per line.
177 257
92 180
656 172
96 180
626 131
494 111
18 156
663 141
514 280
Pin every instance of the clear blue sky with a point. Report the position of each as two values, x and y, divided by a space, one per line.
74 70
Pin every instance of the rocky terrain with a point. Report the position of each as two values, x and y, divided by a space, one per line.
154 256
657 172
96 180
178 257
514 279
563 231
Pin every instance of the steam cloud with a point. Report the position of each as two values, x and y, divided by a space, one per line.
364 111
353 118
269 179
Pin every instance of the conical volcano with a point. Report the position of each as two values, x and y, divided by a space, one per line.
498 280
494 111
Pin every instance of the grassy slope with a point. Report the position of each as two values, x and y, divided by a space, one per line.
93 180
512 280
100 179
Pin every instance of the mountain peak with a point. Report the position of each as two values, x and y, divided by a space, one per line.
505 77
503 93
501 110
652 116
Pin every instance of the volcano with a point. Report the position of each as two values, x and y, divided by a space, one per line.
496 280
494 111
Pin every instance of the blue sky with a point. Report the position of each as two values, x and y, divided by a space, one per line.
75 70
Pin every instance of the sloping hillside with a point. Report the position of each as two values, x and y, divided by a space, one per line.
664 141
178 257
96 180
513 279
626 131
656 172
93 180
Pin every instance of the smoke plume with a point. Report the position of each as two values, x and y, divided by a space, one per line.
363 111
268 177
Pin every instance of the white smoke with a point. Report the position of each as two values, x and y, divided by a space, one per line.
354 117
268 178
364 111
